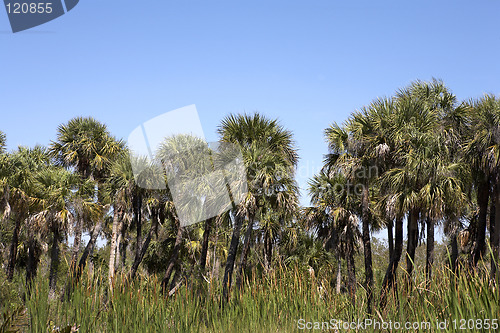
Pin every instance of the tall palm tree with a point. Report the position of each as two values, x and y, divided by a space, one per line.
334 218
420 110
84 144
187 163
271 199
483 151
22 167
249 133
351 149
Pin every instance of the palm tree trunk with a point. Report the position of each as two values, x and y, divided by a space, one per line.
496 244
412 243
339 275
54 265
391 272
122 247
177 274
173 260
204 246
147 241
482 201
74 278
137 208
231 257
390 238
13 249
493 233
351 277
117 214
430 249
31 265
118 262
244 252
454 253
268 250
367 249
76 246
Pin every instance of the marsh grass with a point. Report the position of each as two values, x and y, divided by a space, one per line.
273 303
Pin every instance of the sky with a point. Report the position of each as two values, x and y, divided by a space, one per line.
307 63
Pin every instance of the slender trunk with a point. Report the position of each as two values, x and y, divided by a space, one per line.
482 201
367 249
493 233
117 213
147 241
496 244
244 252
13 249
351 277
231 257
137 207
391 272
31 265
76 246
73 281
54 265
91 262
177 274
204 246
173 260
454 253
430 249
339 275
390 238
122 246
89 248
412 243
268 250
118 262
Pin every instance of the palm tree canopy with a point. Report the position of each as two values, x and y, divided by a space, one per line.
87 145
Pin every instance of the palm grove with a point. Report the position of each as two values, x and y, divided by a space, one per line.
419 158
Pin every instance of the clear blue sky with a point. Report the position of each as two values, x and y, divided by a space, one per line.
308 63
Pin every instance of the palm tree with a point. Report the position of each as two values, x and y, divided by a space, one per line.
87 146
187 163
334 218
417 122
55 190
483 151
251 133
22 166
350 152
271 199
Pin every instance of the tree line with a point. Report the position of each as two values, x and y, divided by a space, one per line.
419 156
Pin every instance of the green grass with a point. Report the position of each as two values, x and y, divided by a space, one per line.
273 303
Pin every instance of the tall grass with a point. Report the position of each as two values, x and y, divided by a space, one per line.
272 303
